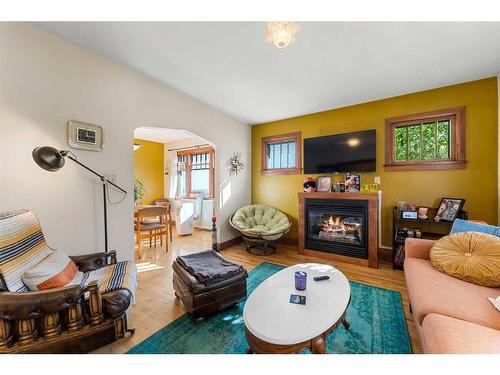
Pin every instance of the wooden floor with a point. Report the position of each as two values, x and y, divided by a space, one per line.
156 305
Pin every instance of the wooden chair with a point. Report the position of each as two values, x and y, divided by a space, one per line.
166 203
147 228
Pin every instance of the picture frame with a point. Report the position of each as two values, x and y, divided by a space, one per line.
423 212
85 136
352 183
449 208
324 184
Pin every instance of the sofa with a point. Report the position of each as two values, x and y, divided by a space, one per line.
451 316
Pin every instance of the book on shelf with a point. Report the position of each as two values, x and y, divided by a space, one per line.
399 257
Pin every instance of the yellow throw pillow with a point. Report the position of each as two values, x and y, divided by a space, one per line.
469 256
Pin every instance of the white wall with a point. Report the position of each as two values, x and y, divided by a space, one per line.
44 82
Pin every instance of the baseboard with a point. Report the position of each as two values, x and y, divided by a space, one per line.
384 253
229 243
289 241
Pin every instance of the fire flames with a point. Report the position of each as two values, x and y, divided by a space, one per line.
334 228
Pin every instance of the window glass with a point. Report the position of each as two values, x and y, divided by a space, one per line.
281 155
423 141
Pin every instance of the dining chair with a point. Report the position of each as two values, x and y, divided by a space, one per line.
166 203
151 223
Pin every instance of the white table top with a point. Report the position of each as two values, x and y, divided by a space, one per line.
269 315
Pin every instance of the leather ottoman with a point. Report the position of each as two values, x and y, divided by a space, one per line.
203 299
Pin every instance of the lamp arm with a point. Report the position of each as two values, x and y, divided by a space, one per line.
69 156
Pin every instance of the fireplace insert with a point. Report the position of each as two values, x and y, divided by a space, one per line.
338 226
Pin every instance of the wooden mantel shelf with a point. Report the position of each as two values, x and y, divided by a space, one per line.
372 199
332 195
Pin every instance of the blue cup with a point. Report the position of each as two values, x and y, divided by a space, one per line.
300 280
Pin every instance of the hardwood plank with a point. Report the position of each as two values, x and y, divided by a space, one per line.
156 305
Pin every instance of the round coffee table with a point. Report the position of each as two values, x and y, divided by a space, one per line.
274 325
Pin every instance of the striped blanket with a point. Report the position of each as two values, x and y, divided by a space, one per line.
22 246
122 275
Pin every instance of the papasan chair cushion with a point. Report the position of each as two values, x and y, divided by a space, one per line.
261 222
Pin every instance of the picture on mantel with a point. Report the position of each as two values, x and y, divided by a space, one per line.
352 183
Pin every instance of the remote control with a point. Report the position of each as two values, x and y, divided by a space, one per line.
321 278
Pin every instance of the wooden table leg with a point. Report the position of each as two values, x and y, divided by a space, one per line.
345 323
318 345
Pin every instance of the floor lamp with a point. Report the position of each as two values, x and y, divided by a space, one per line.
52 160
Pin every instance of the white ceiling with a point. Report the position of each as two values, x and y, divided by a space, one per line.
229 66
162 135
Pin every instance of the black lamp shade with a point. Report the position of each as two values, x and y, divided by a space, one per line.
48 158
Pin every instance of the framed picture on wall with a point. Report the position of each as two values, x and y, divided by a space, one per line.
449 208
85 136
324 184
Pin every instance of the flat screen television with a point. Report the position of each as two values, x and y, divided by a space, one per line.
348 152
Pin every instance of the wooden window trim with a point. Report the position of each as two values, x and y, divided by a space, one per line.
297 137
457 142
195 151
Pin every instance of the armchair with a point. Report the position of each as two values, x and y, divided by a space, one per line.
71 319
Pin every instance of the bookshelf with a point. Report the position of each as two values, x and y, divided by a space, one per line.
428 228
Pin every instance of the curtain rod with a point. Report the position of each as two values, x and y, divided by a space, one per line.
188 147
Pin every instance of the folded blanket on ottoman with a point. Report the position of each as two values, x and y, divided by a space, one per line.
209 267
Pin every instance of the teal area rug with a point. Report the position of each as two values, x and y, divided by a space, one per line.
375 314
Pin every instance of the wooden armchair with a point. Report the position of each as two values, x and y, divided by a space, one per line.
72 319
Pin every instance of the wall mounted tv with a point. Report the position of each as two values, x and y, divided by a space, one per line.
348 152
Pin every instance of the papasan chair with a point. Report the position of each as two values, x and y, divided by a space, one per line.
260 226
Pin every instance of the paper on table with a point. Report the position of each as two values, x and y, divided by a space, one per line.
495 302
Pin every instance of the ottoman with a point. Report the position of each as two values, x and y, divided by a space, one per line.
207 283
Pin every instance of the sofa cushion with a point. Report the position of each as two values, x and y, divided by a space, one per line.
55 271
445 335
470 256
22 246
431 291
471 226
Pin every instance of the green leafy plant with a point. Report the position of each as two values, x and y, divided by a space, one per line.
139 190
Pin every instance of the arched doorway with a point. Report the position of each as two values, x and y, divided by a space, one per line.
178 166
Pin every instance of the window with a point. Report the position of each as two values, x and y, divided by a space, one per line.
196 172
433 140
281 154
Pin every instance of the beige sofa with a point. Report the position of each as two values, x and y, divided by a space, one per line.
451 315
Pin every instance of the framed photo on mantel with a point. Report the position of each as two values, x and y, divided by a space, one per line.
324 184
352 183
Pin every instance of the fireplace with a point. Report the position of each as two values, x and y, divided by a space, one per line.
339 226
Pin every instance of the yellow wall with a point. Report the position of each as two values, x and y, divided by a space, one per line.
477 183
149 169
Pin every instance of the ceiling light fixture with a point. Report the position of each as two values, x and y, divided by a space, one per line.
281 34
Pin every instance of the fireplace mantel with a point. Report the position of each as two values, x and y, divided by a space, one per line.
371 198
